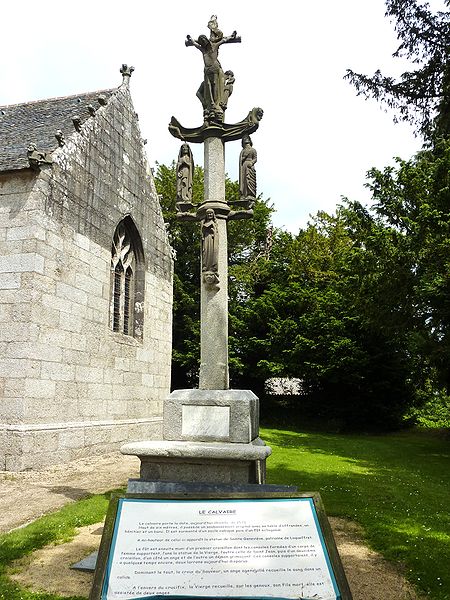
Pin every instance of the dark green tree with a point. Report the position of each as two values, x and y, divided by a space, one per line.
420 96
183 238
356 305
412 201
305 318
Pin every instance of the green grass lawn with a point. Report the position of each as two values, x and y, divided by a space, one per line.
396 486
57 527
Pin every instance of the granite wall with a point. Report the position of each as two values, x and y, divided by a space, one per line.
69 385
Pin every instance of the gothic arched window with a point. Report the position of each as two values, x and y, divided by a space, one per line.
127 280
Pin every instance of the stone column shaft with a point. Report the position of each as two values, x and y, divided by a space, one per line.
214 302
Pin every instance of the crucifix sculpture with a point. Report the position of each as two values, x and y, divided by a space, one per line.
214 212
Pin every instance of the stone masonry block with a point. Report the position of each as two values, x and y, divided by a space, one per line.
72 293
71 322
25 232
12 410
88 284
35 351
57 371
9 281
19 367
89 374
39 388
211 415
18 332
70 438
19 263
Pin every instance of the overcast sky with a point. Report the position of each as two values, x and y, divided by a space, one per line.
316 140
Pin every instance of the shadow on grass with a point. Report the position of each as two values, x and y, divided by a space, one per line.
69 492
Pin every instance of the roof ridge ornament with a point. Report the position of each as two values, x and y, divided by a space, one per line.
126 74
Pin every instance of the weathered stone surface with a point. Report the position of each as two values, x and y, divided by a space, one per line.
86 388
137 486
214 299
38 122
212 462
36 446
193 450
211 415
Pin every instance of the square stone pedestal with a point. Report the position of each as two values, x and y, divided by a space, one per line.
210 436
211 415
200 462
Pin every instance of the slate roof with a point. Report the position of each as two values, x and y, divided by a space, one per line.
37 122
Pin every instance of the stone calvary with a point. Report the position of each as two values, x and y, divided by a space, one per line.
211 434
215 211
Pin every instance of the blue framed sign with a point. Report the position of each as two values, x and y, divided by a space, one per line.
269 545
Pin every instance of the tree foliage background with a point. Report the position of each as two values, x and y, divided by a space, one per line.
357 304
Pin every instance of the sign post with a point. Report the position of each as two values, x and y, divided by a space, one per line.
265 545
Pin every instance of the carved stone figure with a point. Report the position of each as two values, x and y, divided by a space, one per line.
212 88
185 172
247 172
227 88
211 279
226 131
215 33
37 158
210 247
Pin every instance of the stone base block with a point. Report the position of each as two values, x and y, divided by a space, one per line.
213 462
139 486
211 415
28 447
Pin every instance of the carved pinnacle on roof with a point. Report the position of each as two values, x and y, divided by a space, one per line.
126 73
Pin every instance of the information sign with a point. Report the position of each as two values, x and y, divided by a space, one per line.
240 547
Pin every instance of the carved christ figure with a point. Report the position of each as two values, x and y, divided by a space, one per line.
210 246
211 90
247 172
185 172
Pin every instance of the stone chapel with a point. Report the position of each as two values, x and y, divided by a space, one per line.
85 281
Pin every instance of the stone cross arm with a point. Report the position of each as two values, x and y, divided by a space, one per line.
231 39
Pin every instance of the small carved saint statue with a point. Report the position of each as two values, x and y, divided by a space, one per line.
210 249
228 88
185 173
247 172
